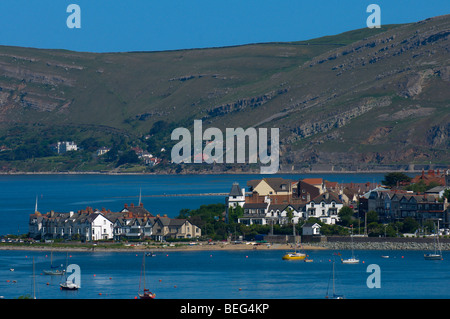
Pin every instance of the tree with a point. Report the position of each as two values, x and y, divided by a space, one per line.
128 157
234 213
410 225
345 215
446 194
372 217
391 179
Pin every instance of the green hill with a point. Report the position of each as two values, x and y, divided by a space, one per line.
364 98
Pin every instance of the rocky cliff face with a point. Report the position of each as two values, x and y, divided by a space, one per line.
382 99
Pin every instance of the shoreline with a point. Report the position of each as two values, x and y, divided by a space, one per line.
151 248
403 246
209 173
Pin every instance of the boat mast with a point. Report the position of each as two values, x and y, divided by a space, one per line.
34 281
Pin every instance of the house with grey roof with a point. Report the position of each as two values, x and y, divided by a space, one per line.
325 207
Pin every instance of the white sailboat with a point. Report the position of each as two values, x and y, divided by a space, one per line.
334 295
351 260
68 284
437 254
53 269
34 281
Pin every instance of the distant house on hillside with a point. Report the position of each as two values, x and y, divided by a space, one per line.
63 147
102 150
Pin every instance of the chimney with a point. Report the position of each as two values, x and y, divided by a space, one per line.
132 205
126 206
141 204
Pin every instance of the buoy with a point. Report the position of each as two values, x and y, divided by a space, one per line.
99 293
94 275
160 280
48 284
240 289
246 256
110 278
135 297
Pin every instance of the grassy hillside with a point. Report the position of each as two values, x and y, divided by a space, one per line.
369 96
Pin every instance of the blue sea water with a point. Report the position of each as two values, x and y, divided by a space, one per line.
255 274
64 193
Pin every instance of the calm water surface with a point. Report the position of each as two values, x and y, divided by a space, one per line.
63 193
260 274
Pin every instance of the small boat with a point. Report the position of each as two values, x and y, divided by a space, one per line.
150 254
384 256
54 271
351 260
334 295
69 285
437 254
11 269
294 256
433 256
146 294
307 260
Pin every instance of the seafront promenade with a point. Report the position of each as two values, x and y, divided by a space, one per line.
332 243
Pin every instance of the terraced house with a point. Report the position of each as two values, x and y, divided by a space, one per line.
132 222
281 201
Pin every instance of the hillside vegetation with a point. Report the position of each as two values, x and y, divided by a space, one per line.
358 99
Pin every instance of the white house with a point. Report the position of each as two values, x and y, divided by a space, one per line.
281 214
100 227
310 229
324 207
236 197
63 147
87 225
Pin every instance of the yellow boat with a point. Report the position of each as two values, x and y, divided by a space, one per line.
294 256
